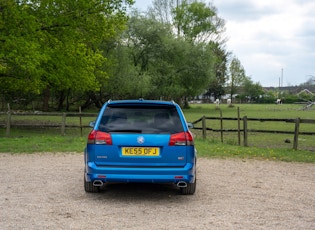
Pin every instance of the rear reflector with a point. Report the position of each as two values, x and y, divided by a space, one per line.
101 176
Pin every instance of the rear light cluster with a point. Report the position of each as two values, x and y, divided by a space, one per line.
183 139
99 138
103 138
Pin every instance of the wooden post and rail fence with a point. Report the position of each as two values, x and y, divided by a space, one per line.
244 131
62 125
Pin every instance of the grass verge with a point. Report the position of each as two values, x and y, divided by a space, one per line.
214 149
50 142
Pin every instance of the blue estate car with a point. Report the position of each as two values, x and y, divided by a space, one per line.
140 141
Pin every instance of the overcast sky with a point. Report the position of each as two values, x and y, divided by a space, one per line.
273 39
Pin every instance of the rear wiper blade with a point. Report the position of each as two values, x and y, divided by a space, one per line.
125 131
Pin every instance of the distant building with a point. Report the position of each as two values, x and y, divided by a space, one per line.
293 89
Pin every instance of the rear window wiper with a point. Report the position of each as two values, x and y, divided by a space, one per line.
125 131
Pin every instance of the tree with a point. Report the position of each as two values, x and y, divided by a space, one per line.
54 44
176 68
161 11
20 54
310 81
198 24
236 76
216 87
251 92
142 48
87 49
197 21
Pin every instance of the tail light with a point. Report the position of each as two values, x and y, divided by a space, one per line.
183 138
99 138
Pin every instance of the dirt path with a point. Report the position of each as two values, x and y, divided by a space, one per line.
45 191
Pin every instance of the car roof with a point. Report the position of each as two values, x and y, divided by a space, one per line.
141 101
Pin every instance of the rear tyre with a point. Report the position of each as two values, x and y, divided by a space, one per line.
190 189
89 187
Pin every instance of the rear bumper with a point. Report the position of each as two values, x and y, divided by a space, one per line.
141 174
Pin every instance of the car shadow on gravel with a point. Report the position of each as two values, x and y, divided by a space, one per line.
138 191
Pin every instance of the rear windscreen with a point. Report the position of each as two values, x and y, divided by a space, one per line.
141 119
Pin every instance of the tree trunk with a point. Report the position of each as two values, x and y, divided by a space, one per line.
68 102
46 98
61 100
92 98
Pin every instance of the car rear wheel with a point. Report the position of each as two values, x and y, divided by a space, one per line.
190 189
89 187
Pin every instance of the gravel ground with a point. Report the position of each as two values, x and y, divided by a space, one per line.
45 191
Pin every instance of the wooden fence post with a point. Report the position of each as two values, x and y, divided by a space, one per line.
296 133
63 124
221 125
238 126
245 130
8 124
80 122
204 128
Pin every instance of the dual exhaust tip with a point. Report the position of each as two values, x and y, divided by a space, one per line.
99 183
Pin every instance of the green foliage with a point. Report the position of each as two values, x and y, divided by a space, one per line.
218 78
305 96
236 76
55 44
251 92
19 49
157 64
193 19
84 52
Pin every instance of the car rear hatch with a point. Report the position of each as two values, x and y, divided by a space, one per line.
141 136
144 150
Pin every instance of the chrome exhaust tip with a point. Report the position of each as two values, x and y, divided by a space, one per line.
98 183
181 184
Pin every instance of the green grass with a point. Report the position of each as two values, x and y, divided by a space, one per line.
262 146
35 142
249 110
262 140
215 149
48 140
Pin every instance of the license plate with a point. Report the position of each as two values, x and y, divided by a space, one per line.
140 151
